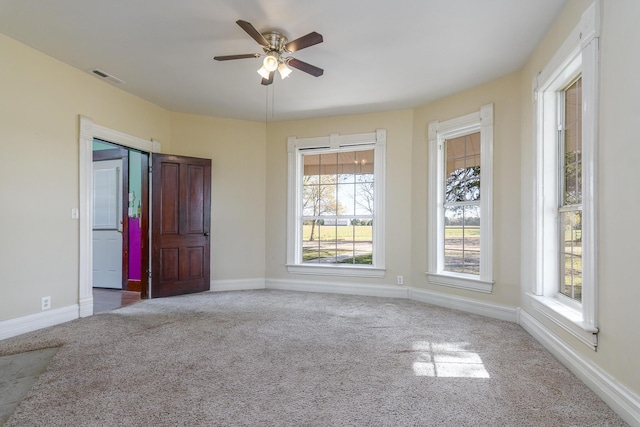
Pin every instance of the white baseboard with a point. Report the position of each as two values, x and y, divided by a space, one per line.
495 311
338 288
22 325
237 285
86 307
623 401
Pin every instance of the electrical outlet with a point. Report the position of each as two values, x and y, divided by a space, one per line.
400 280
46 303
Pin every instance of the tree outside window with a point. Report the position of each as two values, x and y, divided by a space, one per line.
462 204
338 207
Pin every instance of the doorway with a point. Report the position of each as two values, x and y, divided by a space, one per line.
119 219
180 237
108 233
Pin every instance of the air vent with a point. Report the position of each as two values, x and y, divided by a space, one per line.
106 76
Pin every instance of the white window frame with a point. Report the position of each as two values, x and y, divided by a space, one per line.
578 55
335 143
480 121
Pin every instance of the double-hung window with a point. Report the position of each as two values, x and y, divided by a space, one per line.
336 205
460 201
570 194
565 284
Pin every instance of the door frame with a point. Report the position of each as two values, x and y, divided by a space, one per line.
88 131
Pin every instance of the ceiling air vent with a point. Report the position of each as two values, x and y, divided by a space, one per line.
106 76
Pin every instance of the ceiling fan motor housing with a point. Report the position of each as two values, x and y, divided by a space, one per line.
276 42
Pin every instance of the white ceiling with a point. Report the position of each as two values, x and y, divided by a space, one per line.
377 55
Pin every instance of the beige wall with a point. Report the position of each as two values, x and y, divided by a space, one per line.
504 93
618 199
40 101
237 149
398 203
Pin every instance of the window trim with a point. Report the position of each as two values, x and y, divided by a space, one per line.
295 146
578 54
480 121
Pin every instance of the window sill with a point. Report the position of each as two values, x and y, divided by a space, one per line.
460 281
332 270
566 317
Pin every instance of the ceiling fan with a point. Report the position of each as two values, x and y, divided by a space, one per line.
276 47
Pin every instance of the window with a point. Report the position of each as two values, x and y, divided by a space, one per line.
460 201
570 175
565 285
462 204
336 205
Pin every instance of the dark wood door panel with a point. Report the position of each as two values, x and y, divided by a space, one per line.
196 214
195 263
181 217
170 198
169 265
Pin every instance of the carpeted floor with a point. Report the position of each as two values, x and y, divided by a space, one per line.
276 358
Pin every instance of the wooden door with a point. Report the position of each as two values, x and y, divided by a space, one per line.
181 219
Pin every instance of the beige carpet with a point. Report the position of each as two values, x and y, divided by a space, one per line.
275 358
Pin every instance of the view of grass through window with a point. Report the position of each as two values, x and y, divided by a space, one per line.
338 208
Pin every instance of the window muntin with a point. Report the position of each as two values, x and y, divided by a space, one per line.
570 174
462 204
338 207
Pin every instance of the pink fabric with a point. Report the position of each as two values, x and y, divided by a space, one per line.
135 249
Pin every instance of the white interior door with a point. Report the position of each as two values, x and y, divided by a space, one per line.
107 224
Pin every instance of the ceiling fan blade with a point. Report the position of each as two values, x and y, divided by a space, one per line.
303 42
268 81
230 57
307 68
255 34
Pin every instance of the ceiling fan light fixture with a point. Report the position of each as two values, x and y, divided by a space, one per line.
263 72
274 45
270 62
284 70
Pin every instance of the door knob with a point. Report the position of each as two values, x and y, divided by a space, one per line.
206 233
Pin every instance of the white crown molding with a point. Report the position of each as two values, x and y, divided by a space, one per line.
33 322
112 135
623 401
